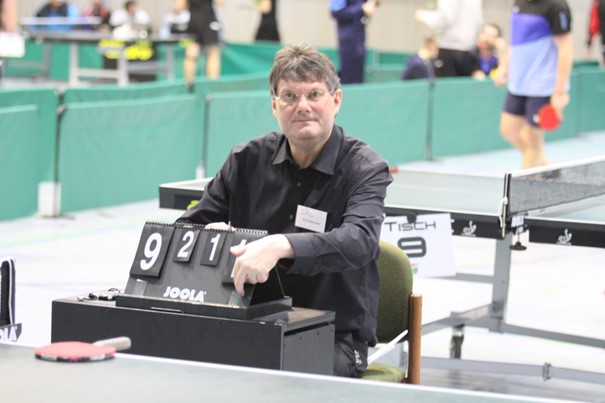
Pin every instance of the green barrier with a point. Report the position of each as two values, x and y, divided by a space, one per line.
585 64
591 94
239 58
20 156
241 82
466 117
225 129
102 93
367 113
383 73
391 58
46 99
120 151
242 58
392 118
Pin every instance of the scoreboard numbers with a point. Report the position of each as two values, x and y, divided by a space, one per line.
152 250
212 248
186 238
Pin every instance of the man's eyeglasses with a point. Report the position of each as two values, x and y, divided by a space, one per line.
290 99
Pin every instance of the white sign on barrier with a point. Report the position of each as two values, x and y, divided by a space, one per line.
427 241
12 44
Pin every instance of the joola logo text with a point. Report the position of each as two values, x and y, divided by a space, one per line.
184 294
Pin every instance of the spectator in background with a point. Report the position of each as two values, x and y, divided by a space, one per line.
456 24
267 28
206 28
596 24
421 64
538 69
131 15
351 18
177 20
490 47
57 8
97 8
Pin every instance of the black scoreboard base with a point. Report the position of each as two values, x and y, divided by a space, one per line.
299 339
207 309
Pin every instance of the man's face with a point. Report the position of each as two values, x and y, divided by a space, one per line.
306 112
488 37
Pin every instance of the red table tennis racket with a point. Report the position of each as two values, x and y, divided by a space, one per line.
547 117
77 351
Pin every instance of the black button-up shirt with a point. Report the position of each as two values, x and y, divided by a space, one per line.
260 187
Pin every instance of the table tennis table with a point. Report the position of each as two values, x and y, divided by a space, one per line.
108 43
144 379
559 204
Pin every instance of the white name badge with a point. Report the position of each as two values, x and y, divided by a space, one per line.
311 219
427 242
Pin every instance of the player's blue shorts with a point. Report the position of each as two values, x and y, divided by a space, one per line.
524 106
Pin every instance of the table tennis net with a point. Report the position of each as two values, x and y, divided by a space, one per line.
555 185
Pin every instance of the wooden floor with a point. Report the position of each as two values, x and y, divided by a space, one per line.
554 288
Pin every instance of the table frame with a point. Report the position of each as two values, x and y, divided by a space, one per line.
124 66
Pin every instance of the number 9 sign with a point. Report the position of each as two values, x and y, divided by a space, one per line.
152 250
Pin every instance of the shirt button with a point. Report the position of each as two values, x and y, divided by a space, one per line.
298 185
291 216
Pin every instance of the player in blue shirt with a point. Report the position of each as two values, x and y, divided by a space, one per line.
538 71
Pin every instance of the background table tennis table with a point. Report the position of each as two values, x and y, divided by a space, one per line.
484 206
145 379
124 66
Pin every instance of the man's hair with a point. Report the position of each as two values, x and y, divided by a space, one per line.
495 26
430 40
302 63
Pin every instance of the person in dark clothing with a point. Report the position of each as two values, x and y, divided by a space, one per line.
420 65
57 8
97 8
267 28
206 29
318 193
351 18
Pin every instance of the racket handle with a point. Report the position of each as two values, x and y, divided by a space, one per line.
119 343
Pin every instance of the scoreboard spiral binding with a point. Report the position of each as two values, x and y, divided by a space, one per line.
186 268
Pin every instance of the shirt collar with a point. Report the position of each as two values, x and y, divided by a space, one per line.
325 162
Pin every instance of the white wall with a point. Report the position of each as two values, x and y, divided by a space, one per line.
392 29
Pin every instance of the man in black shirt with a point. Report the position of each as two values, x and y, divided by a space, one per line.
318 193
